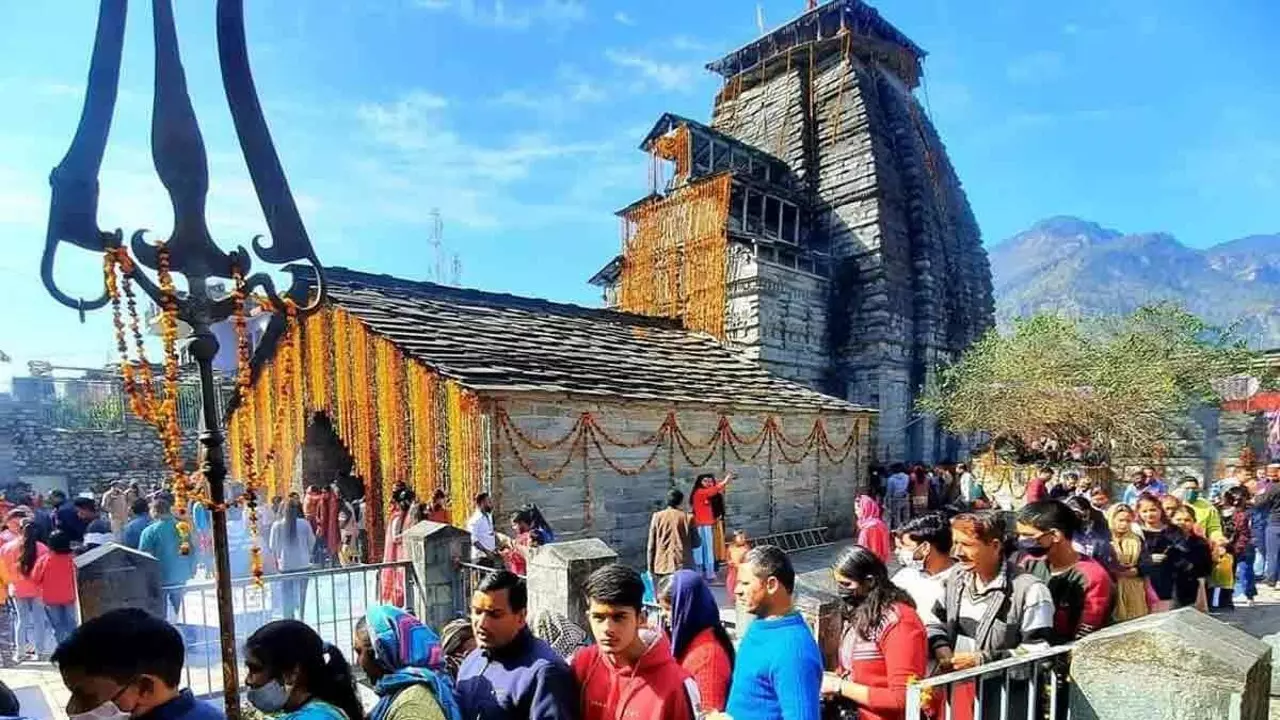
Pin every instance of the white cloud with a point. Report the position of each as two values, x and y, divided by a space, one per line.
665 75
573 88
518 15
1038 67
623 19
689 44
420 161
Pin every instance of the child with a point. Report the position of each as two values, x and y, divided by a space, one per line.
56 574
736 553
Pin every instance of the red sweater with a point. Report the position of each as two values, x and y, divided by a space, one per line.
896 653
708 663
24 586
655 688
56 574
701 502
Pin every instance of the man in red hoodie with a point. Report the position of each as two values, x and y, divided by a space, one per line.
629 672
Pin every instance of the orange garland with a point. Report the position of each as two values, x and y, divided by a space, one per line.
117 265
675 262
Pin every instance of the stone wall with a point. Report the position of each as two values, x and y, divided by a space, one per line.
910 285
590 498
78 459
778 316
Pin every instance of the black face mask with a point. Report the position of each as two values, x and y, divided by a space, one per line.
1032 547
849 597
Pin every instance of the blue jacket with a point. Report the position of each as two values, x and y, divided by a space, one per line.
183 707
526 679
160 540
66 519
132 533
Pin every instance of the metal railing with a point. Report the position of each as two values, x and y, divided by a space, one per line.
1028 687
330 600
102 405
470 576
795 540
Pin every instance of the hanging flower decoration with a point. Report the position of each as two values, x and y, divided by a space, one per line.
136 373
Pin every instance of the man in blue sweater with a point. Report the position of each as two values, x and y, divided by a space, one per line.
511 674
778 673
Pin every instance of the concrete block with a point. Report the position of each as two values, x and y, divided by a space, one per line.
558 574
436 550
1182 665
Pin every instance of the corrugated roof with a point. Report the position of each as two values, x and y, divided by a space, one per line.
496 342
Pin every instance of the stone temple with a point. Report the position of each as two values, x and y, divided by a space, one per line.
815 223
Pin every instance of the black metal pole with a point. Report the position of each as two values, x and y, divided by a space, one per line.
204 347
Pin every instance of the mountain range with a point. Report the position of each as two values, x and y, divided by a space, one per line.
1081 268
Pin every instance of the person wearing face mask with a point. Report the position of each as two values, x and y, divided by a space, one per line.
294 675
924 554
1207 516
127 664
882 646
1080 586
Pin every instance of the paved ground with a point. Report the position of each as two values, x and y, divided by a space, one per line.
40 691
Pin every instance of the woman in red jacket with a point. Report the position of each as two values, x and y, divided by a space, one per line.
883 647
698 638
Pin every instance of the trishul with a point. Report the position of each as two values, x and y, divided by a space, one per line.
182 165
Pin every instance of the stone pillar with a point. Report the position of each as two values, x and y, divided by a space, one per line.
436 550
1182 665
817 601
111 576
558 574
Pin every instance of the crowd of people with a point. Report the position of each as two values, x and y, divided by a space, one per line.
973 585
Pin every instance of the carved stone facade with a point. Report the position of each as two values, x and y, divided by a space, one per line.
885 278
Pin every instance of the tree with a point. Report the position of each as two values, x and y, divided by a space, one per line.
1118 384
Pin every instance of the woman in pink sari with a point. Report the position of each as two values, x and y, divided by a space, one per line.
873 534
399 520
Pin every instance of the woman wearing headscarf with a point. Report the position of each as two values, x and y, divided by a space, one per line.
698 638
1132 562
405 662
457 640
559 632
873 534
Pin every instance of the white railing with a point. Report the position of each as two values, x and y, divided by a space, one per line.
330 600
1026 687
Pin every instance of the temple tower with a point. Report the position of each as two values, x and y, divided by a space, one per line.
851 259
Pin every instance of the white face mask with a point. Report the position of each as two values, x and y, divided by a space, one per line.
106 711
907 558
269 698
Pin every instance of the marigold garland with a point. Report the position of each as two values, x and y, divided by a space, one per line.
675 262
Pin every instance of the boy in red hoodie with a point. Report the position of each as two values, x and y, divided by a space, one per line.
629 672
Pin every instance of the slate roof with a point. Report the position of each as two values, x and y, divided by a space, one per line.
505 343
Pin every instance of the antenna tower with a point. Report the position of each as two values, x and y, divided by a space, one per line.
436 239
457 270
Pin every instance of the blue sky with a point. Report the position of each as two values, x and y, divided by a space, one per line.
519 119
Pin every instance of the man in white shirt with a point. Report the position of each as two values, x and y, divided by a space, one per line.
924 554
484 539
